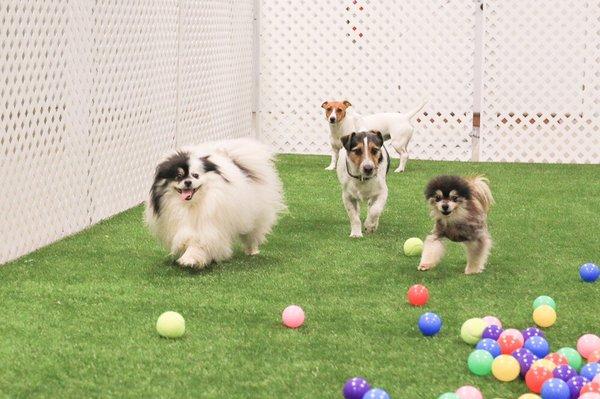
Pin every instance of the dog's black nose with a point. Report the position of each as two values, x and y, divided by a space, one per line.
368 169
332 120
445 207
187 183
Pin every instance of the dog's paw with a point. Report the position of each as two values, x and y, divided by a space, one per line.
193 261
399 170
330 167
371 228
356 234
469 271
252 251
424 267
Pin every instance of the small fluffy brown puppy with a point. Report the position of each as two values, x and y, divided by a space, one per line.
459 207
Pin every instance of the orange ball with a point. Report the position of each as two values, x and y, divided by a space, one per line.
535 378
590 387
594 357
557 359
509 344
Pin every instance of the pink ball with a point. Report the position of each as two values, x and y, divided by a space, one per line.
587 344
596 379
512 332
590 395
469 392
491 320
293 316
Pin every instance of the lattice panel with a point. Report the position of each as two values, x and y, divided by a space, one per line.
381 55
216 58
540 89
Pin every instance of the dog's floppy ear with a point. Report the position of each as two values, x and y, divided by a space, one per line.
347 103
347 141
379 136
325 104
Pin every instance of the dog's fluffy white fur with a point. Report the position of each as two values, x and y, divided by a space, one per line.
205 198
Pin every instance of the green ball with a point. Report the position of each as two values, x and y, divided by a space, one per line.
449 395
472 330
170 325
413 247
480 362
544 300
573 357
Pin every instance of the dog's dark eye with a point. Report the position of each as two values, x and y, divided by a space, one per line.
329 109
195 175
454 198
438 198
374 151
338 110
358 151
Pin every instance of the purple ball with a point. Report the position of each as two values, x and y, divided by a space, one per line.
532 332
355 388
525 358
564 372
575 384
492 332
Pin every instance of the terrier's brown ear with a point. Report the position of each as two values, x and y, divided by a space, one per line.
347 141
325 104
347 103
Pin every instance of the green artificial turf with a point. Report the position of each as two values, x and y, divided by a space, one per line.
78 316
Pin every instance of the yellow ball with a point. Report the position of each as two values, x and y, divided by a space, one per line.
413 246
170 325
544 316
505 368
529 396
472 330
545 363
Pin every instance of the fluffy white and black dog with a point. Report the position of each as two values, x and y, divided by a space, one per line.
205 198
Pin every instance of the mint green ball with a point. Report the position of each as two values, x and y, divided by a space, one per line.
480 362
574 358
170 325
413 247
449 395
544 300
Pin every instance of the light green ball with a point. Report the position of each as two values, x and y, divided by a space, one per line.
413 247
472 330
449 395
574 358
480 362
170 325
544 300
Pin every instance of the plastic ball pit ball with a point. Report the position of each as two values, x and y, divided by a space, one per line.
516 334
596 379
430 324
170 325
590 387
572 356
355 388
480 362
557 359
535 378
417 295
413 247
555 388
492 321
492 332
489 345
588 343
589 272
292 316
469 392
594 357
448 395
472 330
544 300
538 346
544 316
545 363
564 372
525 359
590 371
532 332
590 395
376 393
508 344
505 368
575 384
529 396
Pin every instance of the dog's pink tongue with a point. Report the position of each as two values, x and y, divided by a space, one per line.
186 195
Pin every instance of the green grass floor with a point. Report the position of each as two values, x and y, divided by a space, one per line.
78 316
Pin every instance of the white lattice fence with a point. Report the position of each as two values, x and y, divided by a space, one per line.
541 81
92 94
381 55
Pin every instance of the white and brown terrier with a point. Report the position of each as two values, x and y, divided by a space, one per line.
459 207
361 169
343 120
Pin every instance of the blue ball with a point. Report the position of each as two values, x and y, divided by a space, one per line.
590 370
488 344
589 272
376 393
538 346
555 388
430 324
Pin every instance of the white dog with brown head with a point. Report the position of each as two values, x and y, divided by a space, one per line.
361 169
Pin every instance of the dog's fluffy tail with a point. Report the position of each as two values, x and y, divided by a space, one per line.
411 113
480 188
